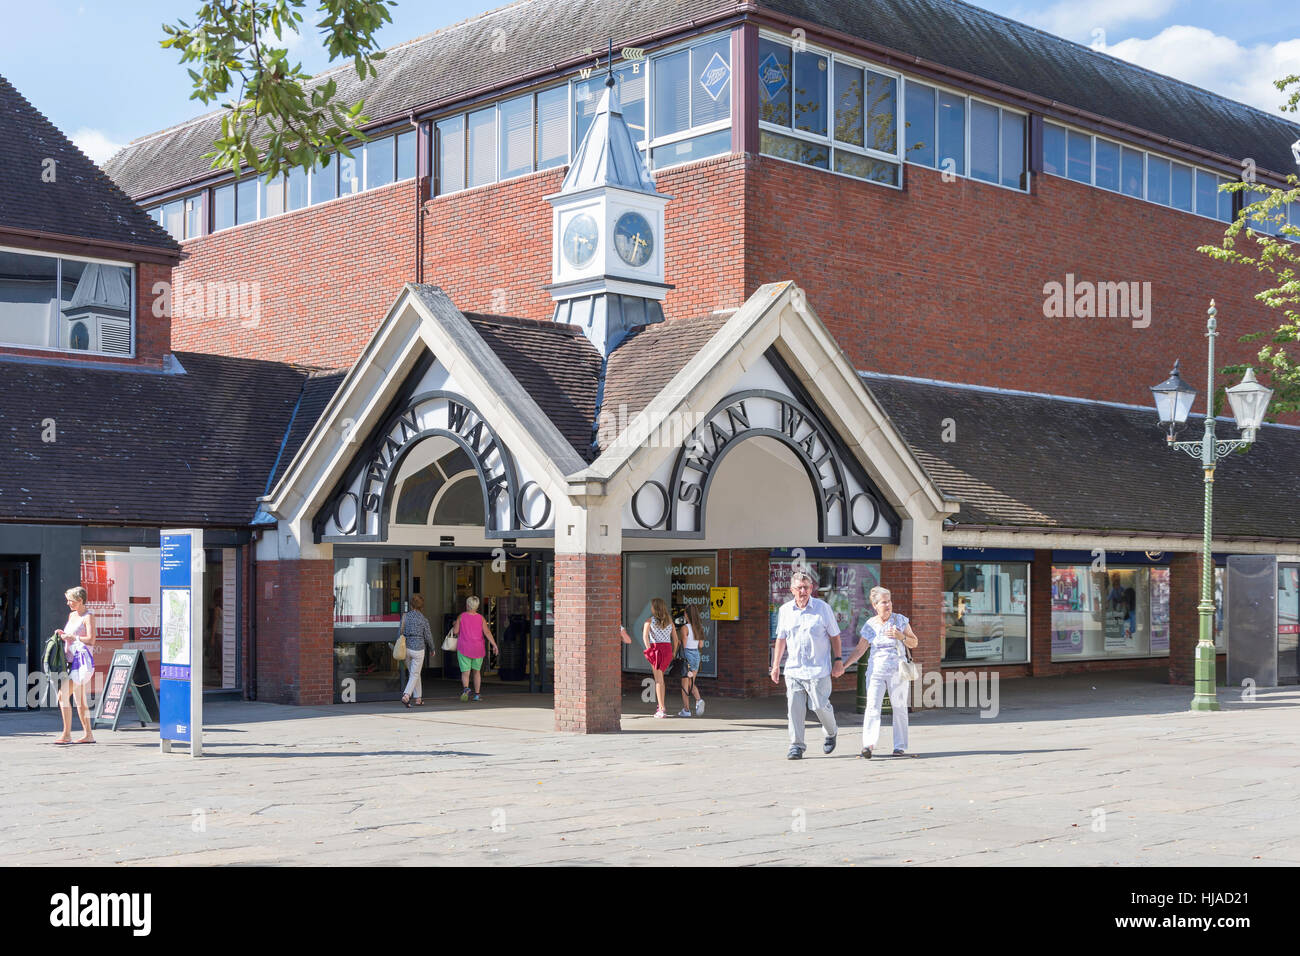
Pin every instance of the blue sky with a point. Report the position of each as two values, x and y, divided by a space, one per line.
95 69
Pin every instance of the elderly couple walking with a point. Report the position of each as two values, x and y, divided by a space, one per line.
806 628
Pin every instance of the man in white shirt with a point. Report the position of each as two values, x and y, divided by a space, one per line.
806 628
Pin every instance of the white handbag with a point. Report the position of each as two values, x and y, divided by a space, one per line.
449 642
399 649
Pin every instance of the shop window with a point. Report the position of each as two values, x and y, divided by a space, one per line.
380 159
828 111
367 591
986 608
844 584
681 580
406 155
553 127
1116 613
672 93
122 592
223 207
246 200
53 302
451 154
325 180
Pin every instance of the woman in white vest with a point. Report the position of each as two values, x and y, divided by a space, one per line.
886 635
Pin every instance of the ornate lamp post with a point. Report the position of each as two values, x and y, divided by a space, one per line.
1173 399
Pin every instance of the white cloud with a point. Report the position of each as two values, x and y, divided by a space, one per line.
1086 21
1218 63
95 145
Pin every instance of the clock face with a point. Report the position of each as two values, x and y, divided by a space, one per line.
633 239
580 237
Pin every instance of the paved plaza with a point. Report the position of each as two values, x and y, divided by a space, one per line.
1092 770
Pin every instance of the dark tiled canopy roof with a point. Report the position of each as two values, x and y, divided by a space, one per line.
441 67
144 447
316 393
1039 462
646 361
555 364
80 203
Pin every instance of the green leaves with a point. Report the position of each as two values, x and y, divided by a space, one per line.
275 116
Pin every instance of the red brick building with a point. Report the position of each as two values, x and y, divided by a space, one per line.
993 233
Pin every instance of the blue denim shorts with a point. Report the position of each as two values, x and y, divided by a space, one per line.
692 659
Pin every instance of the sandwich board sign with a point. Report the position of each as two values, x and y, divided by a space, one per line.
180 692
128 679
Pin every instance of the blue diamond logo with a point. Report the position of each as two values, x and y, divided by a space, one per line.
715 77
771 76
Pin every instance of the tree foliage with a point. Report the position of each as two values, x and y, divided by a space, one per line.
1277 258
275 117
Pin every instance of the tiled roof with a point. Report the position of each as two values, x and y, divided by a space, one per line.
317 391
555 364
984 44
646 361
1022 460
79 201
138 447
539 34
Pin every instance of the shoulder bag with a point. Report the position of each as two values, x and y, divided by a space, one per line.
907 668
449 642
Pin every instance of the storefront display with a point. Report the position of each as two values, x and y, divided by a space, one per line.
843 583
986 611
681 579
122 592
1102 612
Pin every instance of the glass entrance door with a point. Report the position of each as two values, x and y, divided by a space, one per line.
369 598
1288 623
15 627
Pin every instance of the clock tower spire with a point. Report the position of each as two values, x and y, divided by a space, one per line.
607 220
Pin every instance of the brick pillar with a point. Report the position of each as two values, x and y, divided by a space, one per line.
917 591
1040 614
744 645
1184 619
295 631
588 664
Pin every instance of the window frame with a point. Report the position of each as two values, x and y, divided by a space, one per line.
831 144
968 99
59 257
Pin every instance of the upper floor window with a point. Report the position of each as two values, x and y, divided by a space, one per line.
1106 164
677 105
965 136
828 111
377 162
1288 214
56 302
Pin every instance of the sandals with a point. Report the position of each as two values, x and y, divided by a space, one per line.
418 702
406 701
866 753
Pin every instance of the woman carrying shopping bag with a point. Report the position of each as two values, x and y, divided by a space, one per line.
890 637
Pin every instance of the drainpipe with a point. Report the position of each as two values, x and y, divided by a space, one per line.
419 199
252 615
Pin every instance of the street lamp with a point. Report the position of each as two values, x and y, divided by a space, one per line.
1173 398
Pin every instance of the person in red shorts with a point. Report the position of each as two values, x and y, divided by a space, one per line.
661 640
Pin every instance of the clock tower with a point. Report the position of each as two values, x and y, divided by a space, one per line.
607 221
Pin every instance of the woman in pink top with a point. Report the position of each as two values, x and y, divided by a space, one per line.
78 639
470 630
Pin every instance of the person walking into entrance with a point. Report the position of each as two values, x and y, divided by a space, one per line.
78 639
416 631
691 632
660 639
470 630
806 627
886 635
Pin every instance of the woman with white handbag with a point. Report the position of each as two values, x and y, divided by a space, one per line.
890 666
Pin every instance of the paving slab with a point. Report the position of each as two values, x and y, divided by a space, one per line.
1079 771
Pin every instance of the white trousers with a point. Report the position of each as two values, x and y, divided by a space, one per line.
802 696
414 664
900 692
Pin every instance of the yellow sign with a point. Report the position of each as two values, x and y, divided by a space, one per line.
724 604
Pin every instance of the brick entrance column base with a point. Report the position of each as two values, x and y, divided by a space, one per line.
1184 619
917 590
295 632
588 656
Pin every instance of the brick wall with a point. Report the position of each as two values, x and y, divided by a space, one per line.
588 607
325 277
1184 617
295 632
945 280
